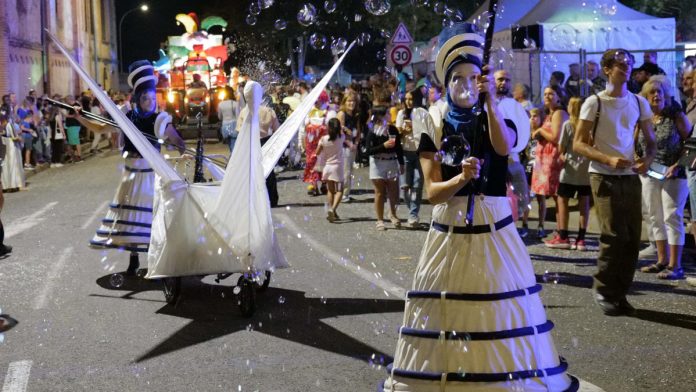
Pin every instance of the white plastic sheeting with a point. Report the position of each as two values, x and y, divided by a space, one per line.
202 229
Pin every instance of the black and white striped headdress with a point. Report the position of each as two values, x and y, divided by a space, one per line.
141 77
459 43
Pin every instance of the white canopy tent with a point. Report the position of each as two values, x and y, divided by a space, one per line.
568 26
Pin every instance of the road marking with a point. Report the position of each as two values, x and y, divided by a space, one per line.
363 273
96 213
28 221
52 279
17 376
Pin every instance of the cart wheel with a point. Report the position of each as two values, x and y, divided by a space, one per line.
247 296
172 290
264 285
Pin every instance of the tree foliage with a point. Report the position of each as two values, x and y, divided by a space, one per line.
684 11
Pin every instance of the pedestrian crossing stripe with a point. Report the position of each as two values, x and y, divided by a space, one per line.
401 35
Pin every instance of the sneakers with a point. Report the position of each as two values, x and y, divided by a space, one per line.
412 222
5 249
691 281
523 232
558 243
648 253
579 245
541 233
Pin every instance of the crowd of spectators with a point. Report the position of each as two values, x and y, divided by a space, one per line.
377 121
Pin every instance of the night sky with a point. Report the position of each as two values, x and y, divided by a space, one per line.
143 31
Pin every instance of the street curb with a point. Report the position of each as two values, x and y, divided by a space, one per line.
86 154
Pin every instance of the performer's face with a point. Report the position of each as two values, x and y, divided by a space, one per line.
462 87
148 101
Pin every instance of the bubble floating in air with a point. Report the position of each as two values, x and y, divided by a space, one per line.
307 15
338 45
280 24
329 6
377 7
317 41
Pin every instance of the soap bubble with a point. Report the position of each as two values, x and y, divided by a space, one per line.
439 8
280 24
386 34
381 55
317 41
565 37
251 20
446 22
116 280
454 150
420 3
266 4
281 300
482 22
338 45
307 15
454 14
329 6
364 38
607 7
254 8
377 7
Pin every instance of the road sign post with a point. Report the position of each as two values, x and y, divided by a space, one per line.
399 47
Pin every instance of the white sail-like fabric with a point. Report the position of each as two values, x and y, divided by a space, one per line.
152 156
210 228
276 145
248 231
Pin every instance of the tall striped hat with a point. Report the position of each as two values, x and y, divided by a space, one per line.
459 43
141 77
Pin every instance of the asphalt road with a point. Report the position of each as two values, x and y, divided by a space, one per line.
328 323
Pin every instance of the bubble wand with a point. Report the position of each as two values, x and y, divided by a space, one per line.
492 7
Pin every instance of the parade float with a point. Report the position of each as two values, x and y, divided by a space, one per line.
192 80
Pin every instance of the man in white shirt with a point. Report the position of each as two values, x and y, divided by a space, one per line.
515 112
438 109
605 136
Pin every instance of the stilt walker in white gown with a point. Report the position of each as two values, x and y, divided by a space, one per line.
473 319
129 220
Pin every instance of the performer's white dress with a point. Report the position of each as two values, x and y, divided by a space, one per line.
12 168
129 220
473 319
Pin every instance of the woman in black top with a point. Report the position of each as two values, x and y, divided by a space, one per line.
128 222
386 164
473 319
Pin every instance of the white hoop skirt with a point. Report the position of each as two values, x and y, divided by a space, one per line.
12 168
128 223
473 319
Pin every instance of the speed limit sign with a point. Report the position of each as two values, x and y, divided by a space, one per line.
401 55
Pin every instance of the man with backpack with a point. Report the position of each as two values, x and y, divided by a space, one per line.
605 136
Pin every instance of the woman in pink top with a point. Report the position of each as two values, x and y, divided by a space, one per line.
330 148
547 164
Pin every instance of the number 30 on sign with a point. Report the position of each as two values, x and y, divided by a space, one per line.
401 55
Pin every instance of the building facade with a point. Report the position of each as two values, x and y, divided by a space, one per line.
87 28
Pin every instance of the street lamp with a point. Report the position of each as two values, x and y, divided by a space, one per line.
142 8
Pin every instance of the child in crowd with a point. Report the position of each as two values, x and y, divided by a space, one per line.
574 180
331 150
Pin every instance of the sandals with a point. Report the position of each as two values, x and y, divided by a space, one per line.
380 226
396 222
671 274
331 216
654 268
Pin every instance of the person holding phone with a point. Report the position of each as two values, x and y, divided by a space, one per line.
411 121
386 160
664 185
